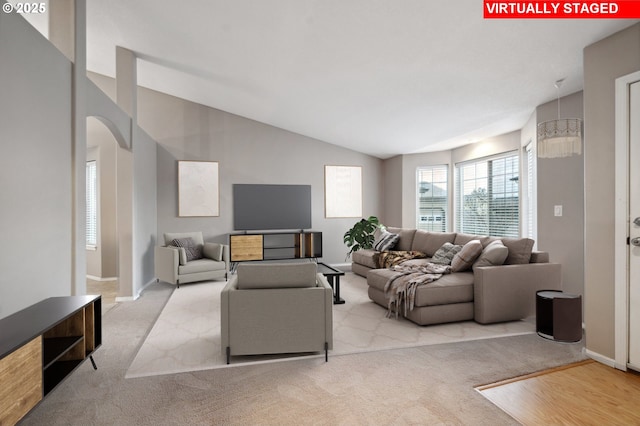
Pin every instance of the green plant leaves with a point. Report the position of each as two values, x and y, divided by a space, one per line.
360 236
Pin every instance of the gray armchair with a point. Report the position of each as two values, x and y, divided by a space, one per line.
275 308
172 264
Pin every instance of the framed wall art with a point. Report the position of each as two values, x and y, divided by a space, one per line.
198 189
342 191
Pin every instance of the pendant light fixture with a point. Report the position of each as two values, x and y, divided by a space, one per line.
561 137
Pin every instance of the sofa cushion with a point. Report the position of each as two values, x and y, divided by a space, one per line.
462 239
406 238
193 251
463 260
519 250
276 275
365 257
451 288
387 241
201 265
493 255
429 242
445 254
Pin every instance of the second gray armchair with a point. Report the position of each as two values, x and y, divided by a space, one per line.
186 258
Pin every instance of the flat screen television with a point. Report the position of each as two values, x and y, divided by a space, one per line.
266 207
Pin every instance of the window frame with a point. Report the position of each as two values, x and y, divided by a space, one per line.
514 158
444 170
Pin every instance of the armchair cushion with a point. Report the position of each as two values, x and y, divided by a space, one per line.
280 275
201 265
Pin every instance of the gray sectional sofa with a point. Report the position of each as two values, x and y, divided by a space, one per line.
486 294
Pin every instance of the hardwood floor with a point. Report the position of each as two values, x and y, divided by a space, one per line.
585 393
108 290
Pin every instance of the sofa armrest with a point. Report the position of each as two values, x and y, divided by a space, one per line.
166 264
232 285
210 248
226 257
507 292
539 257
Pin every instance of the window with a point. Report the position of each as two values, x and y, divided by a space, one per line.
92 205
433 200
487 196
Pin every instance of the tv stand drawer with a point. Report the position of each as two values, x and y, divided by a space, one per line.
245 247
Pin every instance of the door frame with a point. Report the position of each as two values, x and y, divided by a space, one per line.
621 233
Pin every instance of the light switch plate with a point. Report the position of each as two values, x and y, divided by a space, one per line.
557 211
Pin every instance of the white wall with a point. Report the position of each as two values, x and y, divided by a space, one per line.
35 167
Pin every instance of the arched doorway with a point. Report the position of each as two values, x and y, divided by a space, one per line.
102 217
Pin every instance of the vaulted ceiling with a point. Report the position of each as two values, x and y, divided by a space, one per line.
383 77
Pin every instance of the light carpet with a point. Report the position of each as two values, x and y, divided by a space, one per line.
186 335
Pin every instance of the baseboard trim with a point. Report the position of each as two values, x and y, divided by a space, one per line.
603 359
94 278
137 295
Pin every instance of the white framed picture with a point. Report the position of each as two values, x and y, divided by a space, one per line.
198 192
342 191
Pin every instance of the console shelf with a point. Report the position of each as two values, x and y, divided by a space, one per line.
41 345
275 245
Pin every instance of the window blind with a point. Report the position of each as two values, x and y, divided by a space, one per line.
432 198
487 196
92 205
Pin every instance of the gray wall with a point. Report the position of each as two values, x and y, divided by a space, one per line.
247 152
145 210
37 130
35 168
604 61
392 171
561 182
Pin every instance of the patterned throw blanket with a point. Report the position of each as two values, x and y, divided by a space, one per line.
401 288
387 259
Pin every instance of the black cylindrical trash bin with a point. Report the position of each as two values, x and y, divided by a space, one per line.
559 316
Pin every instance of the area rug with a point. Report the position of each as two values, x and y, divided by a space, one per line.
186 335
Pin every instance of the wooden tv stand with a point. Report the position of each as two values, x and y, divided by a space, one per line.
41 345
275 245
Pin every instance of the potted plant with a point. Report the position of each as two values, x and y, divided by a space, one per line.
360 236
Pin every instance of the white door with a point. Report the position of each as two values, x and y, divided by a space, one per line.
634 226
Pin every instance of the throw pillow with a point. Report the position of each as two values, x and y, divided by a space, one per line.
463 260
387 241
493 255
519 250
193 251
445 254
